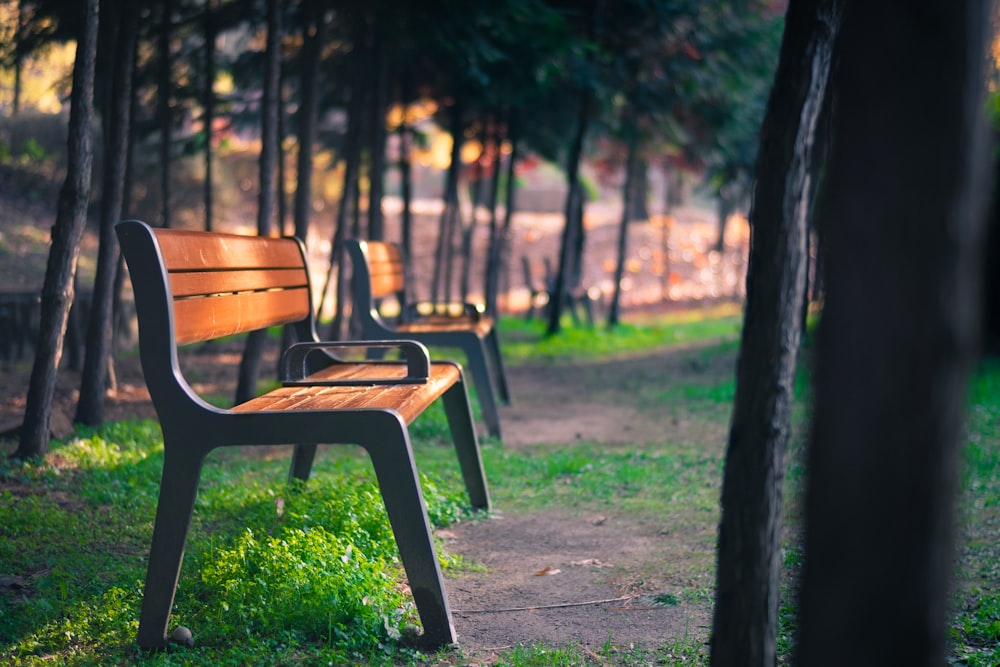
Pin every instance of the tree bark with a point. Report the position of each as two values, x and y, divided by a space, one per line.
377 135
315 36
57 288
250 364
94 380
744 629
442 265
909 181
628 191
163 111
208 93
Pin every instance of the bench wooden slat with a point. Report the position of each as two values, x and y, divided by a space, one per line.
191 251
200 283
409 400
204 318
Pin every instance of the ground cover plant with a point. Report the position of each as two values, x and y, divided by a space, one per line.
308 574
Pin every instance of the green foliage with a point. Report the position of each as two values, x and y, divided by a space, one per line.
309 568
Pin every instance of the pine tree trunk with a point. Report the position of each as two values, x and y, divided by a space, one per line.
94 380
631 167
909 182
744 630
57 288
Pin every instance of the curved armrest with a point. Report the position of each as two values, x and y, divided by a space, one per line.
449 309
295 370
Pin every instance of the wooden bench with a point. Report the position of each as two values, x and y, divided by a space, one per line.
197 286
379 273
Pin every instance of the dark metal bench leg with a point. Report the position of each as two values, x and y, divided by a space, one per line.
493 347
482 377
302 461
392 458
463 433
173 517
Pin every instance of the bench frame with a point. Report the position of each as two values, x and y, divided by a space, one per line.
379 272
174 270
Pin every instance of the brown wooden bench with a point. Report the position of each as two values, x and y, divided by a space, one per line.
379 273
197 286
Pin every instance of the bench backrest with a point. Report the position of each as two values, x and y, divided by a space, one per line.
386 275
224 284
196 286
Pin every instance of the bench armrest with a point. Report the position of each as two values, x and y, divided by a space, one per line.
450 309
295 370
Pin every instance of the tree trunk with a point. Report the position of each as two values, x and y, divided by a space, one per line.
209 103
495 247
909 183
628 190
57 288
163 111
406 169
94 381
572 236
314 38
249 371
376 152
745 624
442 265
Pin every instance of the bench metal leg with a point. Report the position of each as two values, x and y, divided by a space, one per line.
482 377
463 433
173 517
302 461
395 469
492 343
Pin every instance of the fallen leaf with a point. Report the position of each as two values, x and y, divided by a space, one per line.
546 571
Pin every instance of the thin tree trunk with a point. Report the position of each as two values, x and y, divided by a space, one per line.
209 103
94 380
494 248
253 353
442 265
18 56
628 190
376 153
909 180
164 113
57 288
315 36
744 630
406 168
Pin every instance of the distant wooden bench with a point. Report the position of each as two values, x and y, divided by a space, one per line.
379 272
197 286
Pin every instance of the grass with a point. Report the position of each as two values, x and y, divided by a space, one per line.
292 574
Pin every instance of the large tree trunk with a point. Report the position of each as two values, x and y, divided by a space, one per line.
57 288
909 182
94 380
744 629
249 371
164 114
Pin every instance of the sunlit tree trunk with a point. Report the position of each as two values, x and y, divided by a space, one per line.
909 183
744 629
57 288
94 380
